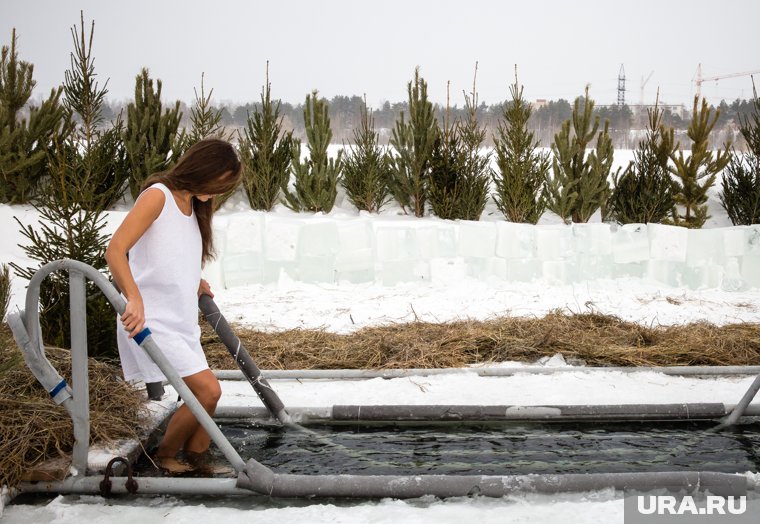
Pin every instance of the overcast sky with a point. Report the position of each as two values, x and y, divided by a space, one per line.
353 47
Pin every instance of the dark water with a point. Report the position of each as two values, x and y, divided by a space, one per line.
502 449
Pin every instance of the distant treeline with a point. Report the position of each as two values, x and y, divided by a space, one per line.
626 123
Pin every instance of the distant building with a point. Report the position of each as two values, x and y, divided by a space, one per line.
675 109
538 104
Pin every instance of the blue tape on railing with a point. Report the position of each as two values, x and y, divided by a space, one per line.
58 388
142 335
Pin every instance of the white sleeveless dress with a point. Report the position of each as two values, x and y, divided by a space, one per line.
166 265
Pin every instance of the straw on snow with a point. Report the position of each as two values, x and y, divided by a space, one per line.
34 429
595 339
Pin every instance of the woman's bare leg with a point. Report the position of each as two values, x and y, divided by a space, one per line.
183 429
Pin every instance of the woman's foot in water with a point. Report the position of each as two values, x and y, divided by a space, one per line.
203 464
172 466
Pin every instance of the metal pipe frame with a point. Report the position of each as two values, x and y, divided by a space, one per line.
381 486
742 407
146 486
254 482
28 334
81 385
361 374
471 413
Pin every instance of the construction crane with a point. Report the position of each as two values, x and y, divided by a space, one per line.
698 78
644 83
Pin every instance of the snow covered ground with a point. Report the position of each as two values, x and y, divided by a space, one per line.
343 308
523 389
287 303
602 506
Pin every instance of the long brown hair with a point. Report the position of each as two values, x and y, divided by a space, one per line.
209 167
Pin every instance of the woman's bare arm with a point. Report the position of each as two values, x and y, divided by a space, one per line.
145 211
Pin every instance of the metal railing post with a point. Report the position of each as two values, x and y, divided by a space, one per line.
80 382
741 407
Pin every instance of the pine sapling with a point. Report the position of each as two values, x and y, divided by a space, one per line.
459 173
579 186
205 119
152 136
595 189
265 152
446 167
473 186
98 154
366 168
645 192
740 195
697 173
521 169
205 122
66 229
24 143
316 177
412 142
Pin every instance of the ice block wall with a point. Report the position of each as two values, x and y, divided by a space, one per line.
258 247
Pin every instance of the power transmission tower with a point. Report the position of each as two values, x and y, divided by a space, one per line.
621 86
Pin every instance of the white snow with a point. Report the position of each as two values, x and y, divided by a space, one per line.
397 269
601 506
577 387
346 307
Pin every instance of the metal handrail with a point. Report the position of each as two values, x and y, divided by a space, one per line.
243 360
741 407
28 335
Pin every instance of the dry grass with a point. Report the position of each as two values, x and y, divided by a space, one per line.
34 429
598 340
